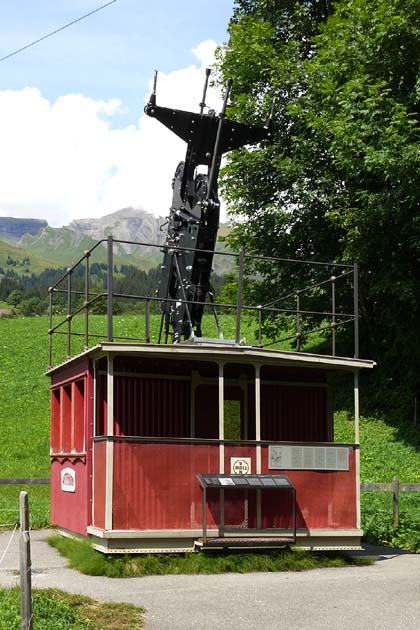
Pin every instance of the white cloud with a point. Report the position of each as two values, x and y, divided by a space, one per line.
64 160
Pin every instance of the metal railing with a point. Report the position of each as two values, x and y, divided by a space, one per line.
330 319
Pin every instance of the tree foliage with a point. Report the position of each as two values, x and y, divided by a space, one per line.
339 181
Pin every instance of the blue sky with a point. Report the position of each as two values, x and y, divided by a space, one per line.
75 141
111 54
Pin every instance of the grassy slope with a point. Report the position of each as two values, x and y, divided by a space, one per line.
386 450
38 261
58 242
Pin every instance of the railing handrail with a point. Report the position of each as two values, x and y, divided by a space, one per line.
337 318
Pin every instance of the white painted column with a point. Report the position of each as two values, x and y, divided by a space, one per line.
357 444
258 436
109 479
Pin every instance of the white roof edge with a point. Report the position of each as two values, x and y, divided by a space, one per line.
217 351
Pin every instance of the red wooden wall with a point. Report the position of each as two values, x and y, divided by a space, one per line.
71 434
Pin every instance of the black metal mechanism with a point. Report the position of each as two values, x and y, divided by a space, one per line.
194 215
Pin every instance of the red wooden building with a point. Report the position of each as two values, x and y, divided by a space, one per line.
133 424
202 443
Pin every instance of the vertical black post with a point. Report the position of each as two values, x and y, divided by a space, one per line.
333 322
147 321
110 289
50 327
216 157
396 501
204 508
25 564
239 296
356 309
298 328
260 326
86 304
69 313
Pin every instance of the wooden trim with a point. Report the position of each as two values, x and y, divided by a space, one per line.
109 472
69 456
109 485
162 377
165 440
110 396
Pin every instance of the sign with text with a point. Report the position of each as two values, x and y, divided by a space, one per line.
240 466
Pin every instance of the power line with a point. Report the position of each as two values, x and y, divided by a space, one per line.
57 30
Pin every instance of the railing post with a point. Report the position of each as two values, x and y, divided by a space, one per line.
396 500
147 321
333 323
298 326
110 289
239 296
86 304
356 309
25 564
260 310
69 271
50 328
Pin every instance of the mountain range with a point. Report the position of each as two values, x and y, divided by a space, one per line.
33 245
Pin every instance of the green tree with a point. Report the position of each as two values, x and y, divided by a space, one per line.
339 181
14 297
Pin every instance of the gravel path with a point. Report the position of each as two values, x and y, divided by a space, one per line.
385 595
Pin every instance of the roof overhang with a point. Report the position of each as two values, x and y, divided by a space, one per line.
220 353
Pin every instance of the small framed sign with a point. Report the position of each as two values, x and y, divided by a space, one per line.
240 466
68 480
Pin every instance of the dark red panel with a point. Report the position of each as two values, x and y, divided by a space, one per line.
207 411
78 416
294 413
101 404
66 418
155 485
151 407
293 374
55 421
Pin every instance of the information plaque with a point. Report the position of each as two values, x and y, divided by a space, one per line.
297 457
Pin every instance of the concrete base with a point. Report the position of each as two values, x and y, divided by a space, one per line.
182 541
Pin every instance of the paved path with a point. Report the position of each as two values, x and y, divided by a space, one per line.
384 596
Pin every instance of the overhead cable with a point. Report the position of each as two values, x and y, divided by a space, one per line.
57 30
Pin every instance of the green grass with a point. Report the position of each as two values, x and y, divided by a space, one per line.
55 610
386 452
24 416
84 558
133 325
